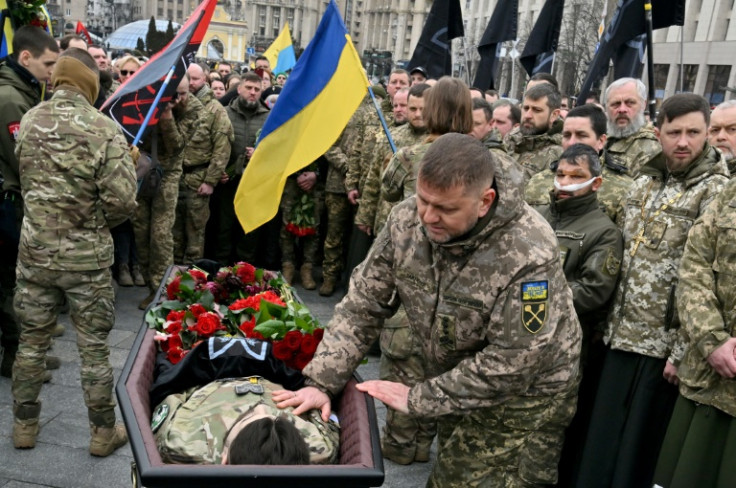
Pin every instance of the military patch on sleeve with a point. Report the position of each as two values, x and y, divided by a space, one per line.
534 305
14 130
159 415
612 264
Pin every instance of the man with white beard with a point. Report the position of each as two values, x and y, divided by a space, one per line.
631 142
722 132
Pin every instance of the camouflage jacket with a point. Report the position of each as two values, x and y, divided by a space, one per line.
337 166
616 185
655 220
399 180
77 179
535 153
372 142
373 209
246 125
731 163
591 249
493 306
351 141
192 426
706 301
634 151
19 91
208 151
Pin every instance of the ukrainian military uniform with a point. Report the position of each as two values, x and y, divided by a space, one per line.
76 185
485 311
400 176
616 184
338 209
634 151
535 153
154 219
205 159
633 399
731 163
367 126
706 409
229 242
19 91
192 426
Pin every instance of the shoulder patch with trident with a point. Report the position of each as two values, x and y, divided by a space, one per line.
534 298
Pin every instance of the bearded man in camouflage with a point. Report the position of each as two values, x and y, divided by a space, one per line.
77 179
634 402
479 275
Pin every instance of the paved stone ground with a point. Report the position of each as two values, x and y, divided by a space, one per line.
61 458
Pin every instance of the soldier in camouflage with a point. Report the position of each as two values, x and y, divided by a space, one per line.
536 143
585 124
78 180
23 77
154 219
338 209
697 451
631 142
205 159
636 393
722 132
196 425
479 275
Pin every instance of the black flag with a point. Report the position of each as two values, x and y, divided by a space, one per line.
501 27
628 62
542 43
627 23
444 23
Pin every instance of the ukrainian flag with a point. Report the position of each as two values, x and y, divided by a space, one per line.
6 42
324 90
280 53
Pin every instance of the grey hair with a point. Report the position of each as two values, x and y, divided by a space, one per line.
726 104
640 88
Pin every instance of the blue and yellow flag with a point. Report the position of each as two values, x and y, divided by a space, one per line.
324 90
281 52
6 41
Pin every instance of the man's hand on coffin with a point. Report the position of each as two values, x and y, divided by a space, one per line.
304 400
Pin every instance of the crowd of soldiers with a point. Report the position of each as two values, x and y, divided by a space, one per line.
639 211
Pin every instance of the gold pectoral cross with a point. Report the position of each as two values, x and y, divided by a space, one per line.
638 240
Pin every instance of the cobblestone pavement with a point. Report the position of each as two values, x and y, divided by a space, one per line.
61 459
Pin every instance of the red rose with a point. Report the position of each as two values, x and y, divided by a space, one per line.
246 272
199 276
176 315
281 350
309 344
207 324
197 309
176 355
239 304
301 360
293 339
318 333
173 327
247 327
172 289
174 342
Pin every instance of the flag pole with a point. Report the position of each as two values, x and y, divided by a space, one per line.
650 59
383 121
153 106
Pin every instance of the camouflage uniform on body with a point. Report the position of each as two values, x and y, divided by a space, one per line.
192 426
535 153
205 159
154 220
634 151
644 319
78 181
19 91
616 184
365 124
498 333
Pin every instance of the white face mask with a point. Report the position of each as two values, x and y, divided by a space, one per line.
576 186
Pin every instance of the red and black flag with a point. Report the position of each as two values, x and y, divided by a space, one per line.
82 31
501 27
131 102
444 23
541 45
627 23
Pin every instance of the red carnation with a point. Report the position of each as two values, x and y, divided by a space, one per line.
293 339
248 326
309 344
318 333
172 289
197 309
281 350
239 304
246 272
272 297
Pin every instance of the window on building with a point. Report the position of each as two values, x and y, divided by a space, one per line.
160 12
660 80
262 30
68 12
689 73
715 87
